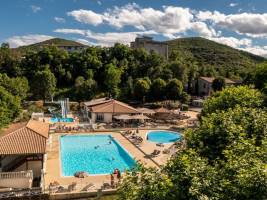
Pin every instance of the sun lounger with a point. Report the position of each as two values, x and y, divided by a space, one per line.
72 187
106 186
160 145
88 187
166 151
155 153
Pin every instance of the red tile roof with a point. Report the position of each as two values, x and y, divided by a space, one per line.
162 110
29 139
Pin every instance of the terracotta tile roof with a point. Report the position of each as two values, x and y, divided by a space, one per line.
210 80
11 128
114 106
29 139
39 127
162 110
95 102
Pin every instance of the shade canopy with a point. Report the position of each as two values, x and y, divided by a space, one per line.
140 117
146 111
123 117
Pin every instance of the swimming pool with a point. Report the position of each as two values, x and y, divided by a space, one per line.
95 154
57 119
163 136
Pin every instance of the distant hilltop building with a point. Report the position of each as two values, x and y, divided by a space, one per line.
149 44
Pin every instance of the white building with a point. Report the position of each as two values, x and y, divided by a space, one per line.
104 109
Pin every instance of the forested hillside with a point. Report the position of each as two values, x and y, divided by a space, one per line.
205 52
122 72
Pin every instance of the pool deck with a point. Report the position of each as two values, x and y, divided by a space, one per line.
53 169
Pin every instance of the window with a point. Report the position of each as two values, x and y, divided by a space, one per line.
99 117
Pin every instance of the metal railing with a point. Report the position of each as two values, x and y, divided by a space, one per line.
14 175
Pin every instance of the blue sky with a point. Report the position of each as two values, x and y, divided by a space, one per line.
239 23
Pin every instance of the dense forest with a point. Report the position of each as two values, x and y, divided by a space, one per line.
121 71
43 71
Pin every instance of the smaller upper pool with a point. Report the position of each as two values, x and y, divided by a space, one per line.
56 119
163 136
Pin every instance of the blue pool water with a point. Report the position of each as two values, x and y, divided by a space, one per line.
163 136
93 154
56 119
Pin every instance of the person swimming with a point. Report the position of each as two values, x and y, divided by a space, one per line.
96 147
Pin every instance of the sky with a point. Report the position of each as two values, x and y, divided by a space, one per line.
241 24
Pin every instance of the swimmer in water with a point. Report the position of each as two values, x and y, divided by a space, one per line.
112 158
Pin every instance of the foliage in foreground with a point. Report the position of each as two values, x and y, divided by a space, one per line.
225 158
230 97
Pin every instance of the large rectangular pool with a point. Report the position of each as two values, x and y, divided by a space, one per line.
95 154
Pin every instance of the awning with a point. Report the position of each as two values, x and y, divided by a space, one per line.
140 117
146 111
123 117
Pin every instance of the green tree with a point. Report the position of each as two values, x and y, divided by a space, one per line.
157 89
112 79
85 89
180 71
219 130
9 107
230 97
16 86
144 184
260 76
174 89
218 84
44 85
141 88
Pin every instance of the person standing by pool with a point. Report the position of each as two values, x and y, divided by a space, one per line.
112 180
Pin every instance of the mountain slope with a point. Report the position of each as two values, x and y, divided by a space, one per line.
207 52
55 42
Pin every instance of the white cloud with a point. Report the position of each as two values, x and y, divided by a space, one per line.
71 31
233 42
86 16
59 19
99 2
106 39
169 21
203 30
35 9
244 44
16 41
257 50
233 4
250 24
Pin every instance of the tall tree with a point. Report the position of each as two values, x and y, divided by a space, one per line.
9 107
157 89
174 89
112 79
218 84
141 88
44 85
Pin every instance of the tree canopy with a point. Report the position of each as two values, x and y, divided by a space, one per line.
225 157
231 97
